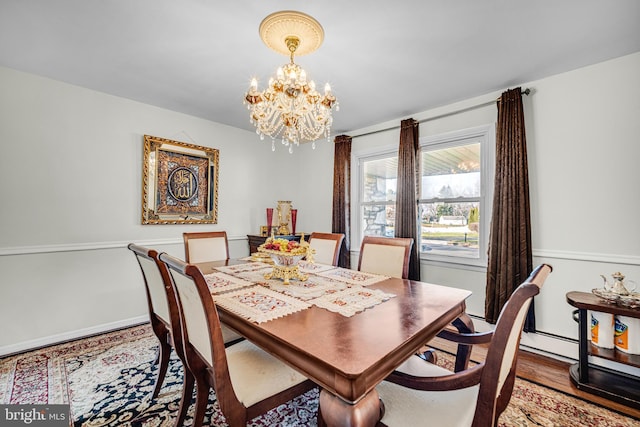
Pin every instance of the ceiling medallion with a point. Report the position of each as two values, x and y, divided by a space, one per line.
290 108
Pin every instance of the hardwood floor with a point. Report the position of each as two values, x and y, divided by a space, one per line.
545 371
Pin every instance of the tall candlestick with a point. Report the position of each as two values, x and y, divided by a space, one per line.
294 216
269 220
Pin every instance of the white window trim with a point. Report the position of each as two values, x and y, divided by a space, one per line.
357 185
487 136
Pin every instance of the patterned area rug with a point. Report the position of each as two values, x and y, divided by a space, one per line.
108 380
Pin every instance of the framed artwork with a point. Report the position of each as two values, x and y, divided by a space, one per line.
179 182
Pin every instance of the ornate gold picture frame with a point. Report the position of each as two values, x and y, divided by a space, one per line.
179 183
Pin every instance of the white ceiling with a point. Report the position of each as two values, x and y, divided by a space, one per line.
385 60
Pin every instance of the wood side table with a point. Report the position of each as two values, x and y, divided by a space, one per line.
608 383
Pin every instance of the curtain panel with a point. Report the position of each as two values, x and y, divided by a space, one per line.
510 254
341 219
407 190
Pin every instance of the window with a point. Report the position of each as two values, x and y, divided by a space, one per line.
379 177
455 195
454 206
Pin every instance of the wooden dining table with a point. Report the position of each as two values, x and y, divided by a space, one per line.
349 356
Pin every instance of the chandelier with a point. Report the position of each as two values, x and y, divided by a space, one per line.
290 108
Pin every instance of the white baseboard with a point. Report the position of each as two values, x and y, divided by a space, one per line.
547 345
71 335
560 348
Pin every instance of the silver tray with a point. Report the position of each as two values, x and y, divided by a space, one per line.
631 300
607 296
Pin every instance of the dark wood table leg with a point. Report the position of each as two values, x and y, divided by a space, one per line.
338 413
464 325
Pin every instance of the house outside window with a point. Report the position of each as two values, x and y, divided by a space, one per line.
455 199
378 178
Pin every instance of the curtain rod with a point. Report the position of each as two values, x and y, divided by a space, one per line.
527 91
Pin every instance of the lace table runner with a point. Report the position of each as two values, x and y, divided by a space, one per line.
336 289
352 277
313 268
221 282
352 300
255 276
313 287
240 268
259 304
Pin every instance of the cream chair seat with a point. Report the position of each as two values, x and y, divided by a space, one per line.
327 247
419 391
446 408
388 256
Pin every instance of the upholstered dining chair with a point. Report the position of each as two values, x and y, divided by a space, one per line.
388 256
209 246
205 246
165 321
247 380
419 391
327 247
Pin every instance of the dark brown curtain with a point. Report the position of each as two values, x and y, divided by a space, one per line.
510 257
407 195
341 221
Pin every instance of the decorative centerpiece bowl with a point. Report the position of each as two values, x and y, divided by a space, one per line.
286 254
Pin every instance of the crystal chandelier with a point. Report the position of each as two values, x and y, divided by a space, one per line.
290 108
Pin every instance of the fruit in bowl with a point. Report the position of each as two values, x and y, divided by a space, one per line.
284 245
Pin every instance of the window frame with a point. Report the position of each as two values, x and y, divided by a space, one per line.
361 158
486 136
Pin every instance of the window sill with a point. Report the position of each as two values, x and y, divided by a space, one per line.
460 264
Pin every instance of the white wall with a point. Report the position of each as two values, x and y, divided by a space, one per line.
70 166
583 130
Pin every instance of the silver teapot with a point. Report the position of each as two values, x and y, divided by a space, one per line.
619 286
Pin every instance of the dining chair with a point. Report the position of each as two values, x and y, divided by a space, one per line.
388 256
327 247
247 380
165 321
476 397
206 246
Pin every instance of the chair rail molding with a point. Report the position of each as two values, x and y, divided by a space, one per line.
588 256
92 246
